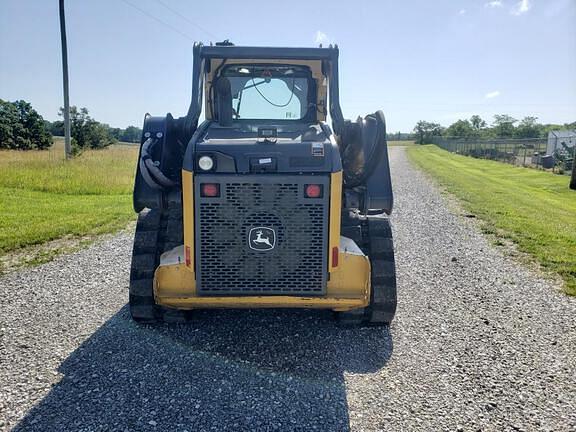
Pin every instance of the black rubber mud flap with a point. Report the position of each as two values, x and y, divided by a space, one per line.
379 247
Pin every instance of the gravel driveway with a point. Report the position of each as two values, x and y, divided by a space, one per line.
479 343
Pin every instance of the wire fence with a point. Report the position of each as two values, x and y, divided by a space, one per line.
525 152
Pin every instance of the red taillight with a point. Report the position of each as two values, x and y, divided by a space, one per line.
335 254
313 191
210 190
187 253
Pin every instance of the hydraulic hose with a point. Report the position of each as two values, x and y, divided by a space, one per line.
151 174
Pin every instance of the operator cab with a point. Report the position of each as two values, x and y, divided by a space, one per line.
269 110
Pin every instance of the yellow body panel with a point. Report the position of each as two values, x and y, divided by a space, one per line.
335 216
337 304
348 288
188 216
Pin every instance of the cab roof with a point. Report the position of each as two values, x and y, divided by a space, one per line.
280 53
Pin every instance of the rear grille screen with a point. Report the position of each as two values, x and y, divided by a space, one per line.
261 236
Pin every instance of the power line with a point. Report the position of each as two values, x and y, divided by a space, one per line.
158 20
188 20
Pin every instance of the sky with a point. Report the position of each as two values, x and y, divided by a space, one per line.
439 60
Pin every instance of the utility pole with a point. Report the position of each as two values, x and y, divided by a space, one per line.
67 143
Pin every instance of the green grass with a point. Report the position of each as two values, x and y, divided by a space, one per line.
534 209
43 197
94 172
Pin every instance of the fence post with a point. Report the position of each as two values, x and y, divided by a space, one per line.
573 178
524 164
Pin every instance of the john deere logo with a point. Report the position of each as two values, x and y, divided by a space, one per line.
262 239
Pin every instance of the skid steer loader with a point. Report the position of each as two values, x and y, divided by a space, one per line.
263 204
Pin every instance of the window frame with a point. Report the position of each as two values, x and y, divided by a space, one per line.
311 95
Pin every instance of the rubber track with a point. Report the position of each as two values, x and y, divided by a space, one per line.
383 300
144 262
379 247
156 232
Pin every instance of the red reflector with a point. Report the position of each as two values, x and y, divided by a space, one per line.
313 191
335 254
209 190
187 253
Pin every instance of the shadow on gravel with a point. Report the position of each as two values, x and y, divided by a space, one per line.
225 370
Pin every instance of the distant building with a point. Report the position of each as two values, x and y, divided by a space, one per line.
559 141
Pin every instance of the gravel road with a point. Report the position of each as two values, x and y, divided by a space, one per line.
479 343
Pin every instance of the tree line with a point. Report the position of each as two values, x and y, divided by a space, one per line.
82 120
502 126
22 128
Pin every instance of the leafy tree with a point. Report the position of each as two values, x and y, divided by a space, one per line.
477 122
8 122
21 127
33 123
99 136
426 130
461 128
56 128
131 134
503 126
529 128
115 133
87 132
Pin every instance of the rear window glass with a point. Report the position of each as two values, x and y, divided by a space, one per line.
275 92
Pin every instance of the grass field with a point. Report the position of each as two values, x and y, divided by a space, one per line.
44 197
534 209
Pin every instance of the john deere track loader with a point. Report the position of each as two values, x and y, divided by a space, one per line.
263 204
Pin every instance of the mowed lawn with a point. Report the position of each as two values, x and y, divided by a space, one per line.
534 209
44 197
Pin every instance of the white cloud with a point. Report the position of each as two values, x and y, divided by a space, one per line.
521 7
462 12
493 4
321 38
492 94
